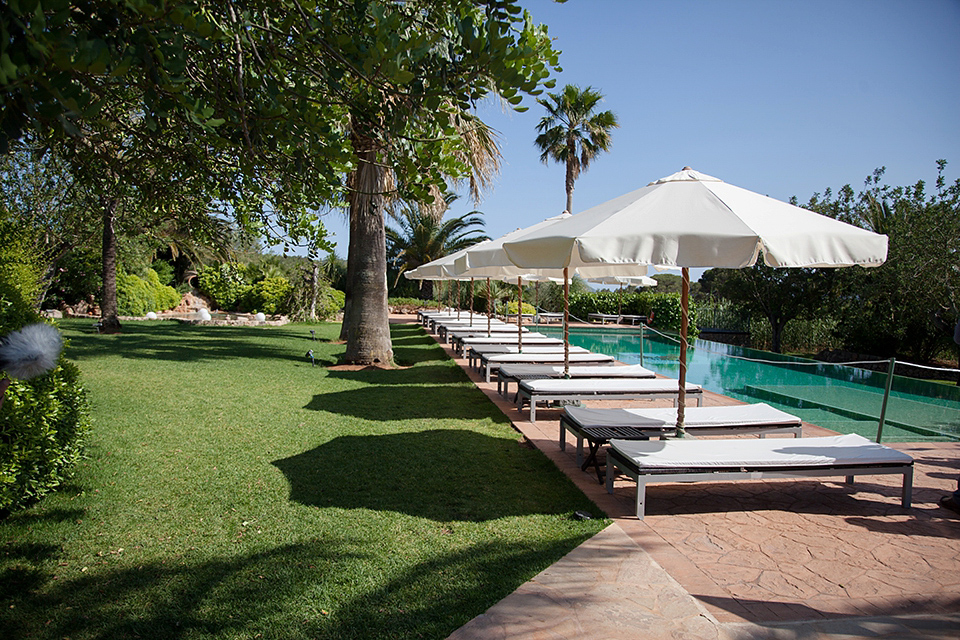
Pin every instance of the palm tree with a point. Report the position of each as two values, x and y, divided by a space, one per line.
572 133
423 237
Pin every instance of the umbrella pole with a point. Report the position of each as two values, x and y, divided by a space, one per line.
684 321
519 315
620 302
566 324
536 298
489 304
458 300
471 301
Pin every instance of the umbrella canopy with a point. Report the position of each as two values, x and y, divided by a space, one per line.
690 219
490 260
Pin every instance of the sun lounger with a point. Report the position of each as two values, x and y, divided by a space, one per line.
457 336
603 318
748 459
598 426
632 319
443 329
531 339
490 364
516 372
546 317
533 392
475 354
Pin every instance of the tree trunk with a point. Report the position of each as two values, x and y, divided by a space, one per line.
570 179
776 330
366 325
108 302
314 290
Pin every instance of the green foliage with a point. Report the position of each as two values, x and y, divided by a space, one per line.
512 307
665 307
329 302
77 278
42 420
136 296
226 283
413 303
573 132
164 271
800 335
270 295
19 277
909 306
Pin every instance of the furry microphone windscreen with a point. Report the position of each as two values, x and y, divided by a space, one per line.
31 351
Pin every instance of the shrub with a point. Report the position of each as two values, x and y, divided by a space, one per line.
226 283
527 308
42 420
136 296
270 295
329 302
665 307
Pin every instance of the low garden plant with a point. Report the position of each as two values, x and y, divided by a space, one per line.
233 490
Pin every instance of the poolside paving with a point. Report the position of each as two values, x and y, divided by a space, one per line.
761 559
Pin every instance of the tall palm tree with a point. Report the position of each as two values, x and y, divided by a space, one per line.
572 132
422 237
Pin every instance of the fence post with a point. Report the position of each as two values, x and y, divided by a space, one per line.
886 396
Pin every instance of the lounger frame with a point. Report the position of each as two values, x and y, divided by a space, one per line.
616 461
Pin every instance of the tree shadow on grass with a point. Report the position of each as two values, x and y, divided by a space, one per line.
188 343
285 592
397 402
427 374
444 475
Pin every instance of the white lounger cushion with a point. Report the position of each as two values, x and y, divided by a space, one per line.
586 371
743 415
851 449
510 339
549 357
605 385
484 349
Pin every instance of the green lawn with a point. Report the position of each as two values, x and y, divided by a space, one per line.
231 490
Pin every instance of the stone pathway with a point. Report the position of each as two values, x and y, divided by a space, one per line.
736 561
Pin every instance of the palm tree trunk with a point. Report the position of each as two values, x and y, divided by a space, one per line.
110 323
571 178
366 325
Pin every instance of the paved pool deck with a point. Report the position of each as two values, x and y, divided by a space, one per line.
784 559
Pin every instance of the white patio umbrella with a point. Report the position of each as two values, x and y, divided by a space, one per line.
690 219
490 260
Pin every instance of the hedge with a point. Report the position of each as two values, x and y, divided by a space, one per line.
43 420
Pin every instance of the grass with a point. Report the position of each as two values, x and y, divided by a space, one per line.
231 490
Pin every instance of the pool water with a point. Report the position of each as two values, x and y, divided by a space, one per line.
842 398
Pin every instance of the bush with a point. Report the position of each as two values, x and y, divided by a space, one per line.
415 303
136 296
226 283
270 295
527 308
42 420
78 278
665 307
329 302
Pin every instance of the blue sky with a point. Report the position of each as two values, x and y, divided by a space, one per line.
784 98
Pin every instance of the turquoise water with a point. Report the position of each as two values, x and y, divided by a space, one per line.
842 398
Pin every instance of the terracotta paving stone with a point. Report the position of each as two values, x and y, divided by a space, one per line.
785 559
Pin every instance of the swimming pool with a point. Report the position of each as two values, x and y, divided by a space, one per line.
841 398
